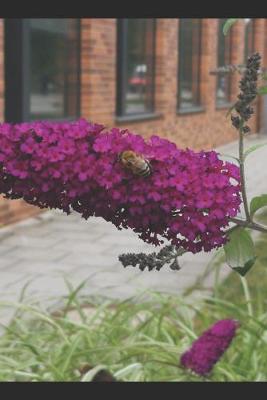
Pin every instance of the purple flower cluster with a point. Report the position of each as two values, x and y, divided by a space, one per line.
209 347
187 199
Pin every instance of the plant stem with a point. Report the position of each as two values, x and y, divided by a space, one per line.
247 295
242 172
246 224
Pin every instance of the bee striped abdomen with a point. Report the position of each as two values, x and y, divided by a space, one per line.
136 163
146 171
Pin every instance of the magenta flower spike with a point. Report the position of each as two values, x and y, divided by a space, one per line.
187 199
206 351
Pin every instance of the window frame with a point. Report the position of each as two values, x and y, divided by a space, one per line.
194 108
17 74
121 74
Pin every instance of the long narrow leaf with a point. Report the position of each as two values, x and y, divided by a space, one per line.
228 24
253 148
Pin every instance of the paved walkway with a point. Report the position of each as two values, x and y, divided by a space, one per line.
44 248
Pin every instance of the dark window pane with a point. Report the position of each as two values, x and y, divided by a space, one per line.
136 45
249 38
223 58
189 62
54 68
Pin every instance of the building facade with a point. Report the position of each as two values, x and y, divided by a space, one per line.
152 76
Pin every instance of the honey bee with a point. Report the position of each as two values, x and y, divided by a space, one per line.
135 163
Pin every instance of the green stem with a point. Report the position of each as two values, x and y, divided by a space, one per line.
247 224
216 280
242 172
247 295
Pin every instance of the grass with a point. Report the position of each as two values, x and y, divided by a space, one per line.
231 289
134 341
137 340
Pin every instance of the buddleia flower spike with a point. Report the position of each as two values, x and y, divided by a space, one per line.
206 351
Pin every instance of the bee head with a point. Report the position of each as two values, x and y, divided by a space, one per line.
127 157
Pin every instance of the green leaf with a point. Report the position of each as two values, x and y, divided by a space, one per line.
239 251
257 203
229 156
248 265
253 148
262 90
126 371
228 25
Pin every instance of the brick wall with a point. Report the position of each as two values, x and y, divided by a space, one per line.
98 63
259 45
206 129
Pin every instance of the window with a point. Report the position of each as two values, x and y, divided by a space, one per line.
44 75
249 38
189 63
135 66
223 58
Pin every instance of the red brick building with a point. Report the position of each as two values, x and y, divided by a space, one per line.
149 75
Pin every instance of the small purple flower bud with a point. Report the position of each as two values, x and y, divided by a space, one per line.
206 351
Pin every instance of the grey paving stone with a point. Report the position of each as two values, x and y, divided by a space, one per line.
8 261
12 279
41 267
25 241
6 249
90 236
100 259
85 247
44 254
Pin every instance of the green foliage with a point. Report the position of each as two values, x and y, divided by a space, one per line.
228 24
231 290
262 90
230 156
239 251
246 267
253 148
257 203
138 340
133 340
